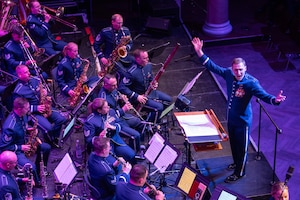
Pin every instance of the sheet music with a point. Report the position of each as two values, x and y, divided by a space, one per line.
156 145
186 180
226 196
197 125
166 158
65 171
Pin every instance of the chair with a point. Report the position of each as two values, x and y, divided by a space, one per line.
93 191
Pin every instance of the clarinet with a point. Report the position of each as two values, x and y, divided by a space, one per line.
27 170
43 178
132 108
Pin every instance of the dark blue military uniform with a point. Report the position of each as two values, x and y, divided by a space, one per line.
31 91
14 55
94 125
128 122
104 176
127 191
137 84
14 136
9 188
40 32
239 110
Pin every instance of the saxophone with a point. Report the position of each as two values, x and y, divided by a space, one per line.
33 139
117 53
43 178
79 86
46 101
27 170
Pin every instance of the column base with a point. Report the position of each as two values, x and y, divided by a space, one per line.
217 29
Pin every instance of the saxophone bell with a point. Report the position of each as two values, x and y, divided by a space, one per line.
122 52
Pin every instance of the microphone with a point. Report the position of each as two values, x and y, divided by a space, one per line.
289 174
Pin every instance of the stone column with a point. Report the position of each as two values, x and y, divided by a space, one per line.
217 22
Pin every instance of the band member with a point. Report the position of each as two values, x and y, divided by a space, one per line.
32 89
104 122
105 171
71 69
136 84
241 87
134 188
279 191
39 29
14 137
15 52
122 106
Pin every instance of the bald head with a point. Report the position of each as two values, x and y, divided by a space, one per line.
8 160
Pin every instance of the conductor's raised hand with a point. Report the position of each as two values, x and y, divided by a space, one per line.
280 97
198 45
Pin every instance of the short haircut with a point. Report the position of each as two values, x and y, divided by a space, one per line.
238 60
115 16
20 102
138 171
31 2
137 53
100 143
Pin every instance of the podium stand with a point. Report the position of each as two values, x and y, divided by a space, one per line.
201 127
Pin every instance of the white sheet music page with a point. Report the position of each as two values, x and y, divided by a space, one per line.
197 125
155 146
166 158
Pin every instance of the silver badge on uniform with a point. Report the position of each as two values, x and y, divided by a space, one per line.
7 138
87 133
8 196
98 37
126 80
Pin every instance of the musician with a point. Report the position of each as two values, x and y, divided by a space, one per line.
39 29
30 88
109 38
279 191
70 69
129 122
134 188
15 55
104 170
8 184
136 84
104 122
14 136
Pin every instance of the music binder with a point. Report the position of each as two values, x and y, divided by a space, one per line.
161 153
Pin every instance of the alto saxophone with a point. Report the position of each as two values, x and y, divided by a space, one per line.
43 178
46 101
79 86
33 139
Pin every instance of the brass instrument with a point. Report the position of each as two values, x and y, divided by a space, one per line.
43 178
27 170
46 101
6 8
58 13
79 86
37 51
127 102
33 139
117 53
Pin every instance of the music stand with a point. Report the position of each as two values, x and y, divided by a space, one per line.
65 172
221 192
192 183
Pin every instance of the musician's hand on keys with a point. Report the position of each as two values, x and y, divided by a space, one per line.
25 147
126 168
71 93
41 108
154 86
142 99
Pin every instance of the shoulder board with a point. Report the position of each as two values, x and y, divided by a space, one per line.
125 28
132 69
8 44
107 29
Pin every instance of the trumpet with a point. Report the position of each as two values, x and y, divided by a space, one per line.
58 13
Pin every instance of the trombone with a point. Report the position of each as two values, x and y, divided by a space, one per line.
58 13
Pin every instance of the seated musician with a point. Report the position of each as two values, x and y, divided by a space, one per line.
135 86
71 70
15 53
104 122
49 119
39 29
105 171
14 138
120 103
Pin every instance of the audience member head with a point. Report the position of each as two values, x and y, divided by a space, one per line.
141 57
99 105
71 50
34 6
110 82
117 21
101 146
239 68
21 106
23 73
138 175
280 191
8 160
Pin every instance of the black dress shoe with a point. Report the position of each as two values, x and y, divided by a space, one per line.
232 178
55 143
231 167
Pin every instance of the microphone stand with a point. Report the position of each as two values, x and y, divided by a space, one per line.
278 131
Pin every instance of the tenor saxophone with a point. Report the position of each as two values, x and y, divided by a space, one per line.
79 85
33 140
